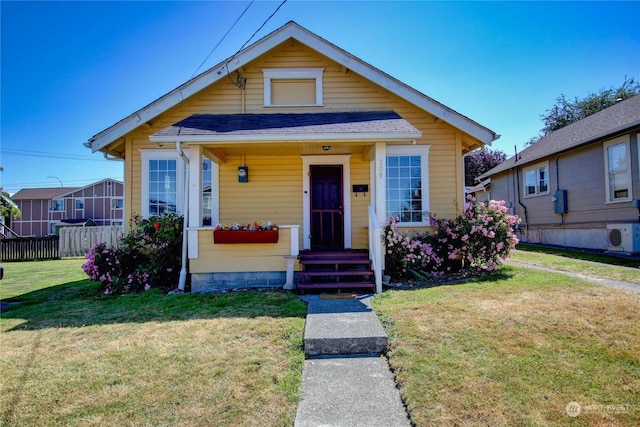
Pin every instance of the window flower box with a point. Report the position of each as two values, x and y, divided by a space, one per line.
251 233
258 236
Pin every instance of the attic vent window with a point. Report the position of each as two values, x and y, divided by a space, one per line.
287 87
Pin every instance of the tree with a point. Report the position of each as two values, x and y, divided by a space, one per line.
480 162
565 111
8 208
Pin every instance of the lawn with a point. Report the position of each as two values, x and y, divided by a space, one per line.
515 349
71 356
589 264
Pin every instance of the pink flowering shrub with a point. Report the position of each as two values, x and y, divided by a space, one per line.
481 237
147 257
405 252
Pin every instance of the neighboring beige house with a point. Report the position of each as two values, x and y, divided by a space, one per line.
45 209
296 131
580 185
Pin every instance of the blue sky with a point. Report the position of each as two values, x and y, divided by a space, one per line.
71 69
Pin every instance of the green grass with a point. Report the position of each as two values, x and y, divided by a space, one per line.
71 356
590 264
515 348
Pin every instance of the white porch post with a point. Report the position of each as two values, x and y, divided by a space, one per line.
380 201
293 254
195 198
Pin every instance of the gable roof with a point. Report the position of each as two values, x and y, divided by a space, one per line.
42 193
74 189
304 36
268 127
609 122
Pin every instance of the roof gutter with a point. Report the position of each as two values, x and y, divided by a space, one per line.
182 280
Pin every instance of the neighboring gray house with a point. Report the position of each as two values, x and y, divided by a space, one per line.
580 185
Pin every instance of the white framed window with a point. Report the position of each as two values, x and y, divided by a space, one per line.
79 204
536 180
617 166
117 203
162 182
286 87
57 205
408 184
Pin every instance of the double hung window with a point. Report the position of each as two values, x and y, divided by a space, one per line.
536 180
617 160
407 184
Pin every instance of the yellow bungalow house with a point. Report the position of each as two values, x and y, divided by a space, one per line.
296 131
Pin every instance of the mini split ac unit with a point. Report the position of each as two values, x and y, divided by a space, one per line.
623 237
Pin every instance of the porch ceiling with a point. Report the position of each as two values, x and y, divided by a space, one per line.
288 148
212 129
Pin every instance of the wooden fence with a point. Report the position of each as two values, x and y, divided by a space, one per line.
29 248
76 241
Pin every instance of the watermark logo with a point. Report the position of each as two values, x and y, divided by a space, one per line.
573 409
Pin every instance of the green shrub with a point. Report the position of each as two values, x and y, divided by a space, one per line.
148 257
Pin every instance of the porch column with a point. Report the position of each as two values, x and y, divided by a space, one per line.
195 198
380 200
379 180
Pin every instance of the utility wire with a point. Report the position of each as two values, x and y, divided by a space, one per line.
223 37
30 153
254 34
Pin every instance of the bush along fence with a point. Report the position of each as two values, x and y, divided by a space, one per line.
148 257
477 240
77 241
29 248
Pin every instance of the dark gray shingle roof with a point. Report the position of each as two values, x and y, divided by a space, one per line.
617 118
369 122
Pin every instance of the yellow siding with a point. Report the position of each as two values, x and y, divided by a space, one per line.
229 258
273 193
359 204
274 190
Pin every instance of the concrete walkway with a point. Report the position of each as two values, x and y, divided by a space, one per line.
629 286
345 380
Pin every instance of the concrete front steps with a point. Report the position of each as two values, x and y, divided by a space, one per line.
345 380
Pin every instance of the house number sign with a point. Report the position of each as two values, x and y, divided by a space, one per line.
380 168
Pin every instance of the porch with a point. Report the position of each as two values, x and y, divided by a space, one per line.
220 267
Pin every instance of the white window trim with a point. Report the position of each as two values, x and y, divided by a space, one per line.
423 152
153 154
52 208
292 73
75 203
116 208
536 167
605 146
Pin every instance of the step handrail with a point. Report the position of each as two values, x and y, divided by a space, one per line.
375 247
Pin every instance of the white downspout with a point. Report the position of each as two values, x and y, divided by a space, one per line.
182 280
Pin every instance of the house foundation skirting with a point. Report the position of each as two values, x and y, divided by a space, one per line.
587 238
218 282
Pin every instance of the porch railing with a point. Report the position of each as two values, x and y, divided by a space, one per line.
375 247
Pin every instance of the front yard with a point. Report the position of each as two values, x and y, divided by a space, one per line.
72 357
516 349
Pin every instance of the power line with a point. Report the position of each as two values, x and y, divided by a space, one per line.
223 37
30 153
254 34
